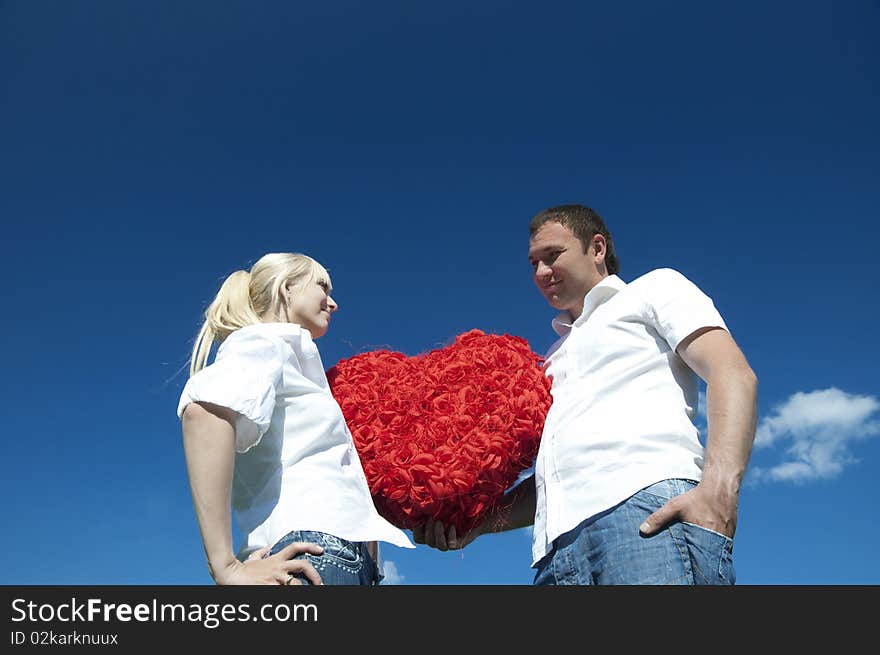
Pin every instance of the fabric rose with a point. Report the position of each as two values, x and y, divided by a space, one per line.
443 435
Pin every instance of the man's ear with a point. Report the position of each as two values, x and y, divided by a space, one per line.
598 248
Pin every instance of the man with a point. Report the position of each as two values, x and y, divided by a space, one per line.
623 491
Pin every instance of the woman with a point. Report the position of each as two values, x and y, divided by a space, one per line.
260 423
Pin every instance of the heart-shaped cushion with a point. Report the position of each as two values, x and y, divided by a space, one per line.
443 435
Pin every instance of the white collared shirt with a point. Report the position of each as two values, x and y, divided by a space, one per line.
623 400
296 466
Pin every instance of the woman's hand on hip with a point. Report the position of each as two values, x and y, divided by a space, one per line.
277 569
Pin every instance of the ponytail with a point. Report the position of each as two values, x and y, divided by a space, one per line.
231 309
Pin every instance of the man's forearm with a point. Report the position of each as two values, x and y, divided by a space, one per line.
515 510
731 408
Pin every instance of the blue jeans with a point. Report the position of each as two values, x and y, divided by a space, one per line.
342 562
607 549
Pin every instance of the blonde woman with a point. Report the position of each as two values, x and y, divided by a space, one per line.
261 429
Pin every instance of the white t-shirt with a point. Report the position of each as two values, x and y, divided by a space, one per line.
296 467
623 400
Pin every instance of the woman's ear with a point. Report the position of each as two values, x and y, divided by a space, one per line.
285 296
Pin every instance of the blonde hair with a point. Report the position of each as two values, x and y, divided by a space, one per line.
251 297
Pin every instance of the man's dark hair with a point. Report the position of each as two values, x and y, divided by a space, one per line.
584 224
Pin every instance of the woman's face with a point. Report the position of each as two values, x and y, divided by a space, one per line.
310 306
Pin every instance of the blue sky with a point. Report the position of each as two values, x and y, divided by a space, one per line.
149 149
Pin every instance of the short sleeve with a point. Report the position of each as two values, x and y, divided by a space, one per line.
678 307
244 378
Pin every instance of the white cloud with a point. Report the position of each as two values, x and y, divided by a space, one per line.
819 429
392 575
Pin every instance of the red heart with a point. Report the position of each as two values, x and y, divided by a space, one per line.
443 435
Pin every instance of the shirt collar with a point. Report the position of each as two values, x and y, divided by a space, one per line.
292 333
280 328
598 295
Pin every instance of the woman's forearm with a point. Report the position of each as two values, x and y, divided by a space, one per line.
209 446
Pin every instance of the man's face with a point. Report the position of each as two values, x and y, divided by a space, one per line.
562 271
